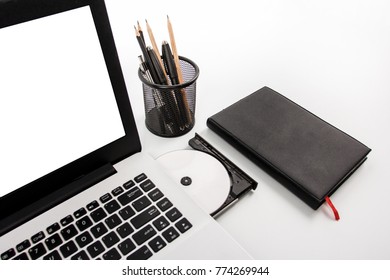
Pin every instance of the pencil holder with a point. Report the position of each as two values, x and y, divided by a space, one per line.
170 109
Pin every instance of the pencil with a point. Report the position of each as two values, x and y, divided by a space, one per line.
178 68
141 33
174 50
155 48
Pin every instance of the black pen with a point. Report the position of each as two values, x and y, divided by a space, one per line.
171 70
170 66
170 97
146 56
157 67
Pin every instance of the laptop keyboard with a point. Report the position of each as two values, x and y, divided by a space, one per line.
133 221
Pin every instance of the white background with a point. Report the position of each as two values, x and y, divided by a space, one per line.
331 57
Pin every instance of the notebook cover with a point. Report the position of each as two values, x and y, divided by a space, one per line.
306 154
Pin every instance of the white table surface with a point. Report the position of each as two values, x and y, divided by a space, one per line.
331 57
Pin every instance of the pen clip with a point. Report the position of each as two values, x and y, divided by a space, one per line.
164 58
169 63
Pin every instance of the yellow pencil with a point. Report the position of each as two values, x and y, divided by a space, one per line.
155 48
174 51
178 68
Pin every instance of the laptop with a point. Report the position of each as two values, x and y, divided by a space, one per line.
74 182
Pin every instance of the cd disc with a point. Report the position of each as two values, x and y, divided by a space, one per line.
202 176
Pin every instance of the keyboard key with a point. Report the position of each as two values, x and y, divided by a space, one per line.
69 232
183 225
170 234
113 221
126 246
145 216
141 204
173 214
110 239
53 241
141 254
164 204
37 251
147 185
126 213
79 213
112 206
117 191
22 256
140 178
93 205
129 184
8 254
129 196
84 223
37 237
98 215
67 220
155 194
112 255
157 244
95 249
160 223
23 245
144 234
68 249
84 239
52 256
53 228
124 230
80 256
105 198
99 230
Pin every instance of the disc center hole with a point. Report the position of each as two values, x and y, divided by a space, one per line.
186 181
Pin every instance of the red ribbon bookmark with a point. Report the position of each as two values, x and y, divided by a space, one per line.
335 212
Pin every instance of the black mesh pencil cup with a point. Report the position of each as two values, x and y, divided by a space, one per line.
170 109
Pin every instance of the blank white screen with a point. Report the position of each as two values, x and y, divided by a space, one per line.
56 98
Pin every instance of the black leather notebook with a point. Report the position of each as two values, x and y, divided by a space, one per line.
306 154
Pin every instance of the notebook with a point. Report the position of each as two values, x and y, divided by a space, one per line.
74 182
306 154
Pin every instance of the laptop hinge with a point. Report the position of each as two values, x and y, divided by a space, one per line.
55 198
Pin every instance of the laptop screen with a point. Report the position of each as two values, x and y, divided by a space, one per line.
53 71
65 114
